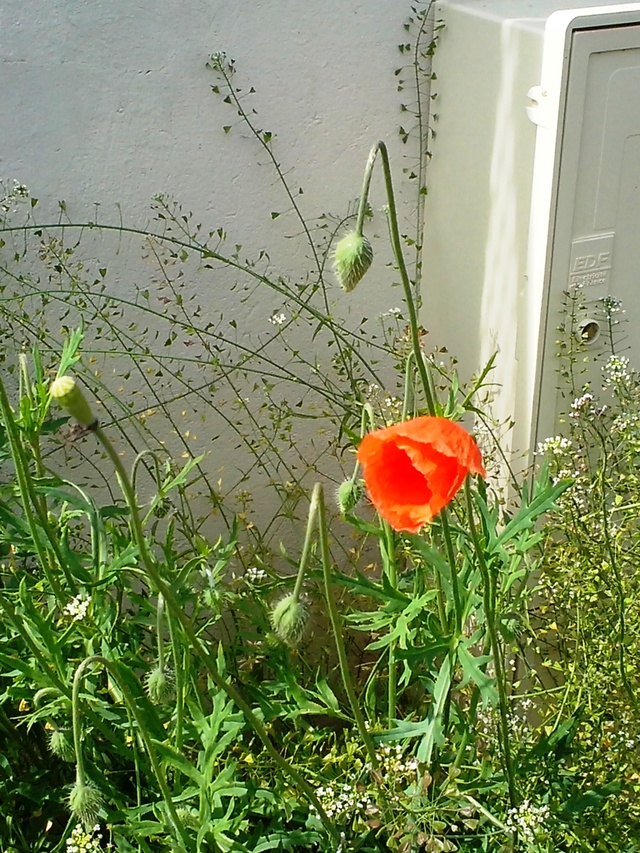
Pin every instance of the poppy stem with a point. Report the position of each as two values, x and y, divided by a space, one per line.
336 625
451 557
496 652
199 647
396 244
306 547
132 706
387 546
366 183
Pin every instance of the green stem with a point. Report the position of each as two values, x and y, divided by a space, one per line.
408 402
387 546
427 383
396 243
336 625
207 658
366 183
451 557
489 595
159 629
30 500
142 731
306 548
622 630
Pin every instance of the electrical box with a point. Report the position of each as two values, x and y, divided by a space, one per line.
533 204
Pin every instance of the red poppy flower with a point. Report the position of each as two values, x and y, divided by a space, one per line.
414 468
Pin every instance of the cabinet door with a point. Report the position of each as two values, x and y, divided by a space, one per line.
595 244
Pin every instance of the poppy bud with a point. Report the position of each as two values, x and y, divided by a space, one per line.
352 258
288 619
85 802
348 496
160 685
162 508
66 391
60 745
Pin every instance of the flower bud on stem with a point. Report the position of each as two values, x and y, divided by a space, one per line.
198 646
84 795
66 391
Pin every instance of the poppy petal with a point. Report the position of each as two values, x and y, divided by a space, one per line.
413 469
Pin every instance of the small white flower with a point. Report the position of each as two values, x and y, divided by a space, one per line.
616 370
84 840
77 608
278 319
556 446
255 575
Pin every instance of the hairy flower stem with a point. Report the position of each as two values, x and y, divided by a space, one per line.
207 658
306 547
30 503
448 542
421 364
387 546
366 184
489 596
159 629
142 731
317 497
396 244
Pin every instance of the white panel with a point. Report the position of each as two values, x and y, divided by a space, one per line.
596 234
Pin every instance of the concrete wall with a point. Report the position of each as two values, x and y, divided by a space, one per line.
110 102
106 104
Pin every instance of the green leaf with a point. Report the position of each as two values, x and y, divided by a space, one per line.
177 760
594 798
471 672
360 585
431 728
529 513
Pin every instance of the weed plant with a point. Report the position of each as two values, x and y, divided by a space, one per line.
469 685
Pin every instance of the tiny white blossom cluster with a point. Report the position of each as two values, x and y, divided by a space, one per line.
581 405
278 319
616 370
392 312
557 445
9 197
85 841
255 575
342 800
77 608
393 762
348 800
612 306
528 820
620 740
627 421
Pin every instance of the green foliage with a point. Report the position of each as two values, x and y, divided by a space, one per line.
471 688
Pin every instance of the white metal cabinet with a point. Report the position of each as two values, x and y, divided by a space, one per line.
533 187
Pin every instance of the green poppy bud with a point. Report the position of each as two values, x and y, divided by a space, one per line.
61 746
85 802
66 391
160 685
352 258
288 619
348 495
